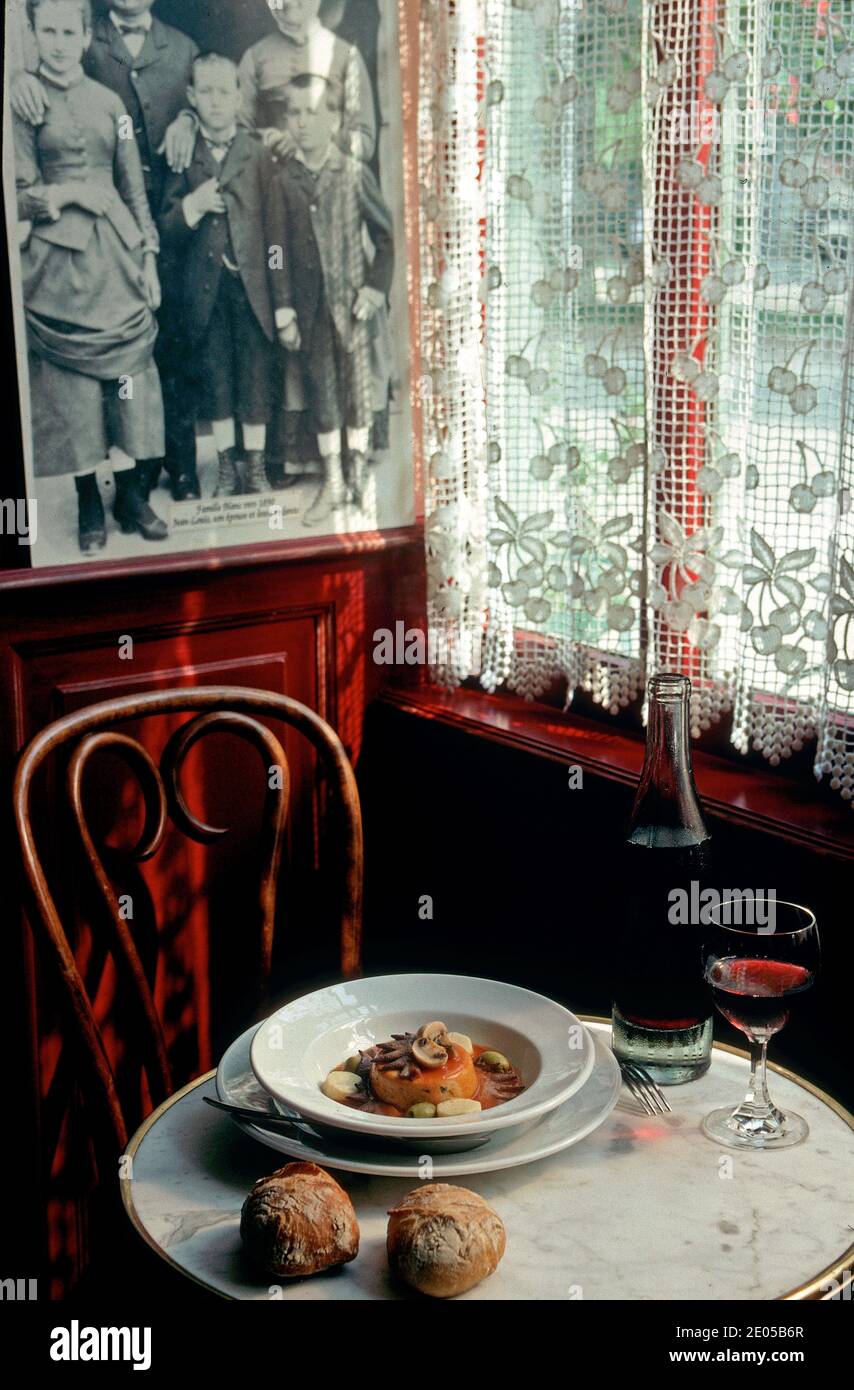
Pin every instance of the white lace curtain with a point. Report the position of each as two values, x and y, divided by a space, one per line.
637 225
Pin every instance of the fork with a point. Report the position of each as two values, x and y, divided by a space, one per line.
265 1119
645 1091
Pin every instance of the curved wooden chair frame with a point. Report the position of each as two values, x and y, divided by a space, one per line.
216 709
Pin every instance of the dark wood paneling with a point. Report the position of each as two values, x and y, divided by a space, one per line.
298 626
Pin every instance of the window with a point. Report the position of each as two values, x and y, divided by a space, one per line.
637 325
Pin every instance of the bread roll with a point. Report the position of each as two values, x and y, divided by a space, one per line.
443 1240
299 1221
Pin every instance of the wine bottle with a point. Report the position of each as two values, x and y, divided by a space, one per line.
662 1012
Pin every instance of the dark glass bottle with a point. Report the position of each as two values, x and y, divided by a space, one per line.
662 1014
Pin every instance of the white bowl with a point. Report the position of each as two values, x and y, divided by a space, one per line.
295 1049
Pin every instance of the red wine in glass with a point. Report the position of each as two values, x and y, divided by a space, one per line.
758 970
757 996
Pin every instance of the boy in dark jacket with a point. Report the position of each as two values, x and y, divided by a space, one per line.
212 218
330 296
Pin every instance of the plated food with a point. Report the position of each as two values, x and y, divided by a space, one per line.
508 1147
294 1051
432 1073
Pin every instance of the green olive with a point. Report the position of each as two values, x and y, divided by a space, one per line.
352 1063
494 1061
422 1111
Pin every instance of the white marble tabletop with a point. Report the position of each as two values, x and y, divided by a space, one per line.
643 1208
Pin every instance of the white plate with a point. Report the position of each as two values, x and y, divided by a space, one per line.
558 1129
295 1049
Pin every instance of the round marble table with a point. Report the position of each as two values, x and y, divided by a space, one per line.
643 1208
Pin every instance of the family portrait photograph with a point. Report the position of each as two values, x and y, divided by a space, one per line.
206 226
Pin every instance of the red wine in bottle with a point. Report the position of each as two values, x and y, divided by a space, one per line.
662 1014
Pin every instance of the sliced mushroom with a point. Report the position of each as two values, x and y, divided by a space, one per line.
433 1030
437 1032
428 1053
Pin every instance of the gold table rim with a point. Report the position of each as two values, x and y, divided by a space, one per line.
808 1291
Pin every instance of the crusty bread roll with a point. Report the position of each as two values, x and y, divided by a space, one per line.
443 1240
299 1221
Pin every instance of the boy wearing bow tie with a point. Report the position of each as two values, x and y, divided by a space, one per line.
149 65
212 217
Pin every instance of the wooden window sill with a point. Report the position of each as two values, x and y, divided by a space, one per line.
745 796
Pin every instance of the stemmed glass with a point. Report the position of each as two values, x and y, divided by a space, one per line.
758 971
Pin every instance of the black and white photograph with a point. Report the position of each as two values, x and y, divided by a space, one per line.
205 216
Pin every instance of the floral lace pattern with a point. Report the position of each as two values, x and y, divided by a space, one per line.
638 229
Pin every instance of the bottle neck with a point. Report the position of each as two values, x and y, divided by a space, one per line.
667 809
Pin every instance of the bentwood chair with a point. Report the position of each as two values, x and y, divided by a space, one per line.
70 744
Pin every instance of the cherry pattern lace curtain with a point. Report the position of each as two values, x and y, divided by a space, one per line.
637 225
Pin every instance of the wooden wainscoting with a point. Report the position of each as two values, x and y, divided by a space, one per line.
297 625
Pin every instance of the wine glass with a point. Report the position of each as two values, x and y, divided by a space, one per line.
758 970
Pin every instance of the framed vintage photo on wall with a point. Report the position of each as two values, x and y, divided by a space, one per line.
209 229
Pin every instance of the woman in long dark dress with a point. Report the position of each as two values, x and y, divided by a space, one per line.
90 283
